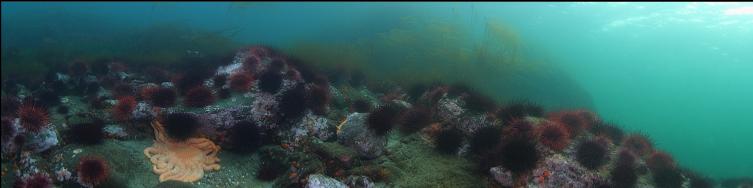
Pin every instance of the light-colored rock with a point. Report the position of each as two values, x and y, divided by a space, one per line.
355 134
322 181
44 140
502 176
359 182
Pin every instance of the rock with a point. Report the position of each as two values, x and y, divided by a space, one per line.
355 134
62 174
143 112
470 124
115 131
63 77
502 176
225 118
313 125
11 128
229 69
322 181
359 182
449 109
167 85
557 171
264 110
44 140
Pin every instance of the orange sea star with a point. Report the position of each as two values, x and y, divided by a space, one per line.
182 161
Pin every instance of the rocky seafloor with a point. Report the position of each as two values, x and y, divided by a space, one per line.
280 123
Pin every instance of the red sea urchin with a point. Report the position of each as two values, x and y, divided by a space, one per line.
553 135
570 119
638 144
199 97
589 118
92 171
33 118
660 160
123 109
241 81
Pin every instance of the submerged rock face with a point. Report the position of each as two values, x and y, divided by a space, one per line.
355 134
557 171
225 118
322 181
469 125
311 126
143 112
449 109
43 140
502 176
359 182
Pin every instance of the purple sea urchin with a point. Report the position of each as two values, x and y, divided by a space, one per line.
519 155
181 126
415 119
448 141
592 154
383 119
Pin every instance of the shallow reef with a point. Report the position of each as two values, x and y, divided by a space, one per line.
264 119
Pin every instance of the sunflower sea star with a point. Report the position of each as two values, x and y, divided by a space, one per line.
182 161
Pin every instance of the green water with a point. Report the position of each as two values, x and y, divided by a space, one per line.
681 73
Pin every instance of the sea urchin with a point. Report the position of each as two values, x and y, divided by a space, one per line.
92 171
33 118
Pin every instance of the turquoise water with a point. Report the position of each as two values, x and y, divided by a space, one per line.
682 73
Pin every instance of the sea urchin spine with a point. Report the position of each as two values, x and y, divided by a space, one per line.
123 109
33 118
553 135
92 171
